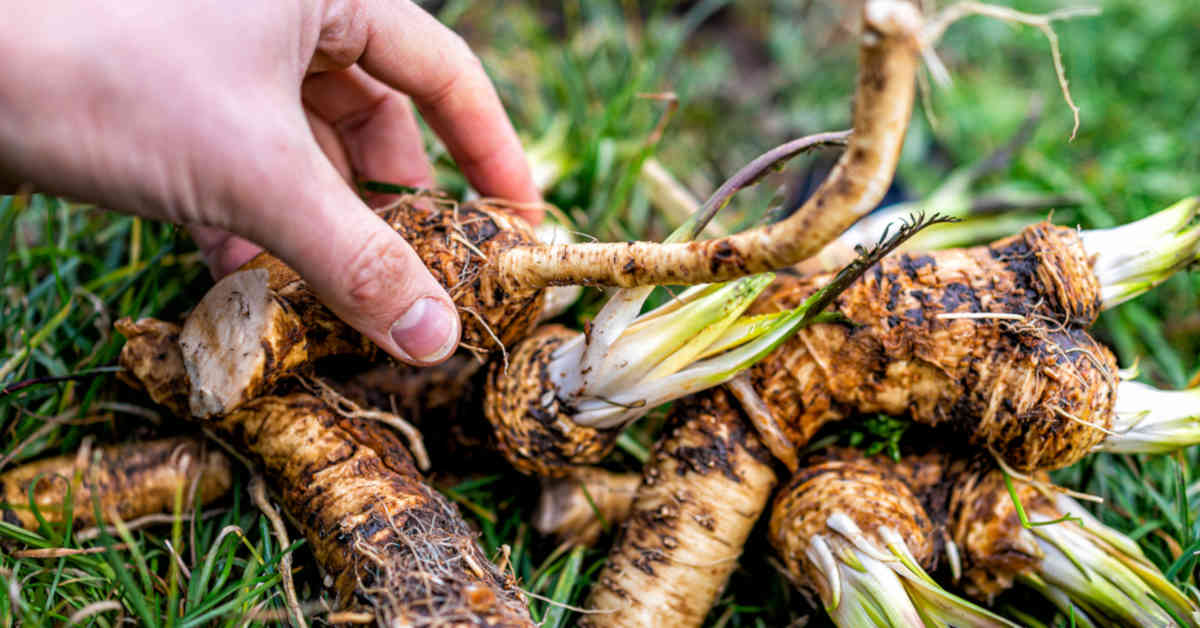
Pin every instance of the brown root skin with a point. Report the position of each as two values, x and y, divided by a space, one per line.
579 507
861 488
263 323
533 430
154 363
414 390
968 498
700 496
883 98
129 480
387 540
983 522
1023 379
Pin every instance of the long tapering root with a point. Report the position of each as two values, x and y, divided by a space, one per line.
888 60
700 496
128 480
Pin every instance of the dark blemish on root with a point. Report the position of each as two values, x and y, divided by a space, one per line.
723 255
912 265
268 355
955 294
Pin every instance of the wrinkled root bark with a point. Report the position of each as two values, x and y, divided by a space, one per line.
700 496
386 541
128 480
984 340
263 323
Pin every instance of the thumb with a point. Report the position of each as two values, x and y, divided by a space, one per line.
356 264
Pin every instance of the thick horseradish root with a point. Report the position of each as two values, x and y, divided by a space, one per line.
985 340
861 531
700 496
1089 570
387 542
127 481
263 323
852 533
563 397
1001 531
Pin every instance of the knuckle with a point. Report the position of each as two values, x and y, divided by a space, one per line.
379 273
344 32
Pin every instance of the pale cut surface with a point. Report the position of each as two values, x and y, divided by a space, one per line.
233 341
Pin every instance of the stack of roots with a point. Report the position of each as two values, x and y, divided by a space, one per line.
986 348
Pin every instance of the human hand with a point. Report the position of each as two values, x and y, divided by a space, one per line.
249 118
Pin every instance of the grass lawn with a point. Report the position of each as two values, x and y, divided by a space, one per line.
585 83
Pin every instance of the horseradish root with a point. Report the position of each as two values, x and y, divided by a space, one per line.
883 98
388 543
851 532
987 341
153 362
700 496
1049 543
563 397
262 323
128 480
495 272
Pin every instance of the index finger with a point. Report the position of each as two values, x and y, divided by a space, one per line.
414 53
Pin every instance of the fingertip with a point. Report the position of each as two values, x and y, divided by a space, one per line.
427 333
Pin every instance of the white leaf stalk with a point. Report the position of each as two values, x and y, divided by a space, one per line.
1132 258
1152 421
1100 575
626 365
868 584
611 321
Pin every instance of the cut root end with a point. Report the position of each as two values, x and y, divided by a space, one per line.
237 342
